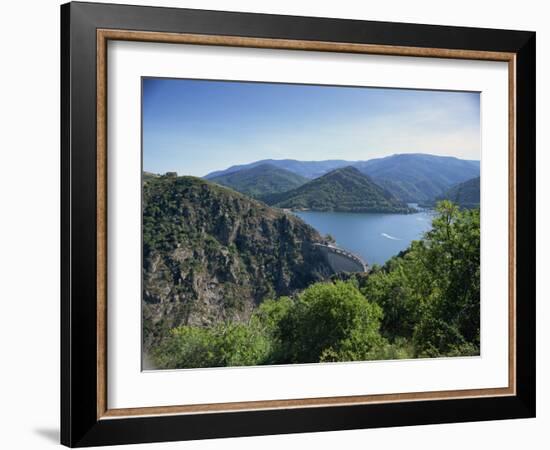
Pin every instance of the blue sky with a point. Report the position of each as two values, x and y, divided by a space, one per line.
194 127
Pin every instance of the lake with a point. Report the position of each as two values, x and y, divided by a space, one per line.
374 237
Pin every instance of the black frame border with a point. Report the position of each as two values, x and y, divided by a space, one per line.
79 424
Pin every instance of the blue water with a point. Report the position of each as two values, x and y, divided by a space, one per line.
374 237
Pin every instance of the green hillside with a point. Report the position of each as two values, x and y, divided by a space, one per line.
414 177
211 254
306 169
344 190
149 175
464 194
260 180
418 177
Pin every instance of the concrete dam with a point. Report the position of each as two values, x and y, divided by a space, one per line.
341 260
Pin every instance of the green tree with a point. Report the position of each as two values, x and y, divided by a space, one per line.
451 254
331 322
225 344
430 293
394 291
268 318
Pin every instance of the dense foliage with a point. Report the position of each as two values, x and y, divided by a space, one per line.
422 303
260 180
326 322
430 294
344 190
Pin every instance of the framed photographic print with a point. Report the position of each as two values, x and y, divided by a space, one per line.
276 224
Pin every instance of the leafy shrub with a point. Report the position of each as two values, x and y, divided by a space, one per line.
230 344
331 322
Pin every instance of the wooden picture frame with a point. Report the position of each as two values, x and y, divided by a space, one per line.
86 418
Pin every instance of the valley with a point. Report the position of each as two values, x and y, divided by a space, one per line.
217 250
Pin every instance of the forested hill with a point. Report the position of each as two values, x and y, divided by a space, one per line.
260 180
306 169
464 194
411 177
211 254
418 177
343 190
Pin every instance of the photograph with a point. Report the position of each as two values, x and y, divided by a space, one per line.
294 224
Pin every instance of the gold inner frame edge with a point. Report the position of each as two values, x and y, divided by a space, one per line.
103 36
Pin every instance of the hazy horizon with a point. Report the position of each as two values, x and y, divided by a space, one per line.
195 127
267 160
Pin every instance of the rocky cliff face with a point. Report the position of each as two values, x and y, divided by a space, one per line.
211 254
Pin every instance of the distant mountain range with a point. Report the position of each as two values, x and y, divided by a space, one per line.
408 177
419 177
306 169
344 190
257 181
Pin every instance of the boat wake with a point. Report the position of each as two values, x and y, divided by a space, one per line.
387 236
